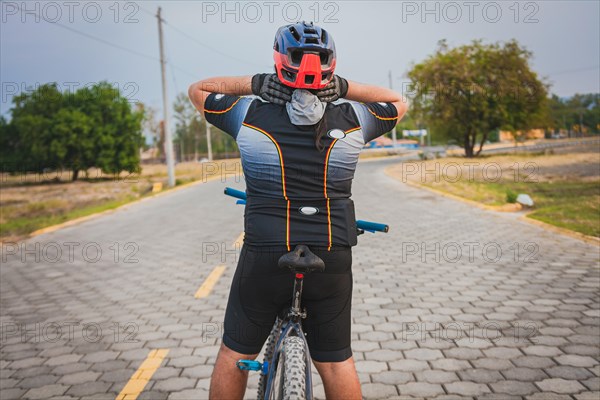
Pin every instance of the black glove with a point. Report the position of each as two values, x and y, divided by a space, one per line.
336 89
270 88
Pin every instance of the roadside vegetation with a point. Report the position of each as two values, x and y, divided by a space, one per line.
564 186
34 201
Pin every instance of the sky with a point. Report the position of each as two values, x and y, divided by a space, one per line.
75 43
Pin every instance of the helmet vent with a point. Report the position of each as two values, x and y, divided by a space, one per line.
324 58
290 76
310 31
296 56
311 40
323 36
295 33
309 79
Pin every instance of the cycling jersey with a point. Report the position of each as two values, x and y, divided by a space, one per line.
297 194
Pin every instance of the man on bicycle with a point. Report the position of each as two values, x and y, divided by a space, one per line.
299 149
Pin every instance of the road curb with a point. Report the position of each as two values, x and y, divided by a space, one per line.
563 231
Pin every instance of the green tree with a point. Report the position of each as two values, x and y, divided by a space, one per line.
468 92
29 135
72 142
152 126
190 132
117 129
187 124
577 114
93 127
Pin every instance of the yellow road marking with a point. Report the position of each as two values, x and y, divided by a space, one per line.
207 286
209 283
140 378
239 241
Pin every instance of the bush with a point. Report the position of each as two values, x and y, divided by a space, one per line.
511 197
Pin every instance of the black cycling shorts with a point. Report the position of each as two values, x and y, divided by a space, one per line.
261 290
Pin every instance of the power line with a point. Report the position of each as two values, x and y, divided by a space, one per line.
106 42
87 35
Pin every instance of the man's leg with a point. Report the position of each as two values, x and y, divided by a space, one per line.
227 380
340 379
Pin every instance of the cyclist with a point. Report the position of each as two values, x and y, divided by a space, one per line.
299 149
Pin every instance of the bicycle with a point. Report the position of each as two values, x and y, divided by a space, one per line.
286 367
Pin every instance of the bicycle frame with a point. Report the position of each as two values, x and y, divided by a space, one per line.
291 323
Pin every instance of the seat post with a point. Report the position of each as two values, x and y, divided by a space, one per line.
298 283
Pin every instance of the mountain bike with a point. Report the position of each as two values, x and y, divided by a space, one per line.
285 372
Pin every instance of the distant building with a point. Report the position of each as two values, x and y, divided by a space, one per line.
506 136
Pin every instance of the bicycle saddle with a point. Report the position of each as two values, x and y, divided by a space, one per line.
301 259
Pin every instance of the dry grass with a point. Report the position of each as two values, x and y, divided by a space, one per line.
30 202
565 187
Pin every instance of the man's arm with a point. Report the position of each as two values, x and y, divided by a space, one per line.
374 94
232 85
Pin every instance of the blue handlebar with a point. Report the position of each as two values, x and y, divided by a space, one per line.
235 193
360 224
372 226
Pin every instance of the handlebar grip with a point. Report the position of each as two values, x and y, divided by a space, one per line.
372 226
235 193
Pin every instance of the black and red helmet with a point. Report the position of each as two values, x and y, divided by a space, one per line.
304 56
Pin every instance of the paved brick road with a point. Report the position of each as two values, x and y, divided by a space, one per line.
455 302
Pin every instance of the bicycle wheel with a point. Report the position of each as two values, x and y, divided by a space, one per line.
294 369
271 342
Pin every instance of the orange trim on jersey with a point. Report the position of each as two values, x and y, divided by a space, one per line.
278 152
326 168
287 228
329 224
382 118
352 130
222 111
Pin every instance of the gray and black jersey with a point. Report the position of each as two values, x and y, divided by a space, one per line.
297 194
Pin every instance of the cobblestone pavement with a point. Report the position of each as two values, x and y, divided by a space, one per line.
454 302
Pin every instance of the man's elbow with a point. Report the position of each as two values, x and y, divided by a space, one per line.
191 91
195 97
402 107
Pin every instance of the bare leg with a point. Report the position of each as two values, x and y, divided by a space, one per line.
227 380
340 380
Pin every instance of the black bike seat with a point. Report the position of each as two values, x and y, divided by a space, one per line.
301 259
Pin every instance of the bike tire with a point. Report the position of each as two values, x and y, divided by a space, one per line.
294 369
269 349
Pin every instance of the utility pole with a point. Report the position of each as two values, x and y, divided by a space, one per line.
394 128
208 141
168 139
